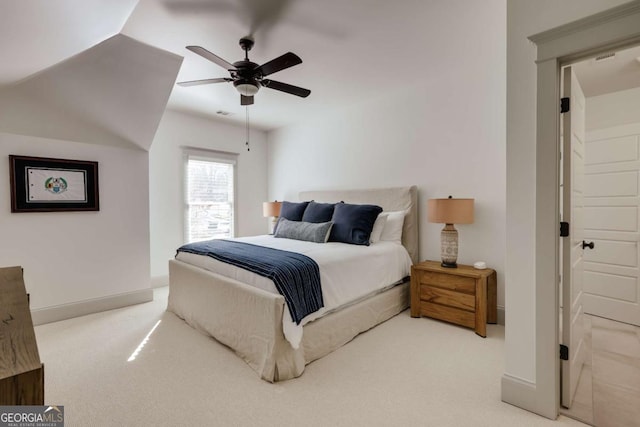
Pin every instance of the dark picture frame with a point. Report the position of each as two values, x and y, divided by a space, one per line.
40 184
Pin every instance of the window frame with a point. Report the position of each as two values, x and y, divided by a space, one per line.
193 153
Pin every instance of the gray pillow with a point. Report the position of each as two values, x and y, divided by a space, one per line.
307 231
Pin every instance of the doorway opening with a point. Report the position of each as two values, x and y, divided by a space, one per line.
600 258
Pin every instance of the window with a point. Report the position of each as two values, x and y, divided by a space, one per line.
210 195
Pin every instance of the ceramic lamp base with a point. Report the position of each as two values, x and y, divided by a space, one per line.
449 246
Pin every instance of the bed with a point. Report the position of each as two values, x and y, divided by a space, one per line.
250 320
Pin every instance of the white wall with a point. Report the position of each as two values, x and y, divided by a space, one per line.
166 184
525 18
446 136
613 109
71 257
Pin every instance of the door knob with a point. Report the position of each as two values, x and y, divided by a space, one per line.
589 245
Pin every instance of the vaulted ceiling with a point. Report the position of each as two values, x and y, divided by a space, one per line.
68 73
351 50
50 51
83 99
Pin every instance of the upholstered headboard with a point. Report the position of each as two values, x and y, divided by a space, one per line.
389 199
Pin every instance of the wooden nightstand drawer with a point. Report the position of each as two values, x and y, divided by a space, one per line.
446 297
448 314
455 283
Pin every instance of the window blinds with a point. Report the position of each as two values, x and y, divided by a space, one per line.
210 195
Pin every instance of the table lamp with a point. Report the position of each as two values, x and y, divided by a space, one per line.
271 209
450 211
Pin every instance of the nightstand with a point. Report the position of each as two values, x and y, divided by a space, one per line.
465 296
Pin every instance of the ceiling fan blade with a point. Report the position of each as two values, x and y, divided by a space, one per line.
198 6
257 15
211 57
280 63
246 100
204 81
284 87
264 14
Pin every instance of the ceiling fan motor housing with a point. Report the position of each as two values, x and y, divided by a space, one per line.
246 80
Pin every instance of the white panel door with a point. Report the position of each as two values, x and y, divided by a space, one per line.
612 204
572 247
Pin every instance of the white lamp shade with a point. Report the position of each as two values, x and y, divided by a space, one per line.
247 89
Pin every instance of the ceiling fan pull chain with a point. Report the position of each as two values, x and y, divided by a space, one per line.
247 143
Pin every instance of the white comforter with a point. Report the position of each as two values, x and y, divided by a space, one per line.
348 273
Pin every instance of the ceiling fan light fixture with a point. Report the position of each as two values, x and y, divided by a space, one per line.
247 87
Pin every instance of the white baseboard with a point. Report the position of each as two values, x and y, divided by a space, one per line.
523 394
500 315
67 311
517 391
159 281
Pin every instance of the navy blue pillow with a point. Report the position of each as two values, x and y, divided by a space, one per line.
318 212
291 211
353 223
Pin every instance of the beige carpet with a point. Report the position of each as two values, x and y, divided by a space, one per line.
404 372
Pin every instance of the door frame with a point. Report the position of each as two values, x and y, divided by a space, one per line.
615 28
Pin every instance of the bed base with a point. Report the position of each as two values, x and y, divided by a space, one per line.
249 320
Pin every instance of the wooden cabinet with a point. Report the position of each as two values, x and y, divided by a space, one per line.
21 373
465 296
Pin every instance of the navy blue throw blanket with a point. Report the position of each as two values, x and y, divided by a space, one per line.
296 276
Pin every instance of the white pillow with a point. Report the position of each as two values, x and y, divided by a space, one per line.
378 226
392 231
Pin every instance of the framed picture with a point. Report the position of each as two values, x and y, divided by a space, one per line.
47 185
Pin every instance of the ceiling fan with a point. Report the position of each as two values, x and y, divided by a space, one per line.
248 77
